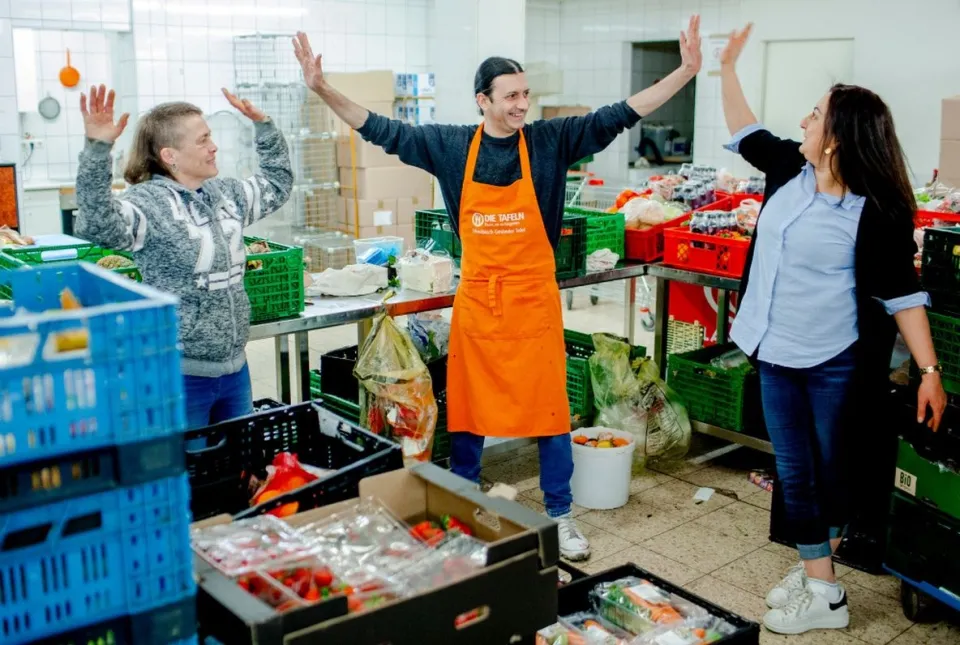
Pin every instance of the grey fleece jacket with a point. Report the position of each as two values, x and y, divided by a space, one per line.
189 243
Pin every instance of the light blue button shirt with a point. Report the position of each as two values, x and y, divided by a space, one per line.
801 307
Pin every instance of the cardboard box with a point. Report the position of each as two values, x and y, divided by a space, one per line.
371 212
407 208
423 84
557 111
950 118
517 588
367 154
949 158
386 183
364 87
368 232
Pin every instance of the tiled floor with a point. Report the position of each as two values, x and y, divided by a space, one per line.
718 549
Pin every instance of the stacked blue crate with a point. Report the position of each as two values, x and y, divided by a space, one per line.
94 498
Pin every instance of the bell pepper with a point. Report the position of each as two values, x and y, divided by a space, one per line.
451 523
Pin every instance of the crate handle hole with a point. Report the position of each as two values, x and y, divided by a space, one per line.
473 617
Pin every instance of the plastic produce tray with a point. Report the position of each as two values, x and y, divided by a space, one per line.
920 475
707 253
604 230
83 561
174 624
713 395
125 387
580 348
318 438
274 281
575 597
13 257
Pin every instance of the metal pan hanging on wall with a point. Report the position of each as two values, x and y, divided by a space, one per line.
49 108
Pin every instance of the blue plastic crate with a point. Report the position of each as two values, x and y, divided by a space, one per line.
174 624
125 387
83 561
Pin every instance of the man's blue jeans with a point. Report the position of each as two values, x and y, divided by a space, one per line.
556 466
805 411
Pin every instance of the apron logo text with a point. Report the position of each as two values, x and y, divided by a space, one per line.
500 223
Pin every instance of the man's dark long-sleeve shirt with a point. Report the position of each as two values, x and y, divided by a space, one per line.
553 146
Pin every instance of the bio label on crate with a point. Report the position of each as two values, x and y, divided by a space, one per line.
906 482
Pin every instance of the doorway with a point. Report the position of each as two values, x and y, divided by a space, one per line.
664 139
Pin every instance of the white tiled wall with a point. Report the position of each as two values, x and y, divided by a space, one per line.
183 50
909 55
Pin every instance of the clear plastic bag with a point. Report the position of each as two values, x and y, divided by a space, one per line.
400 401
430 332
630 396
457 557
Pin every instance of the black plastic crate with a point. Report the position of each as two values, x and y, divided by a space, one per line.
88 472
174 624
575 597
247 445
337 379
940 272
923 543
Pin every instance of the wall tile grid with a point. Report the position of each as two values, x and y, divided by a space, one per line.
912 76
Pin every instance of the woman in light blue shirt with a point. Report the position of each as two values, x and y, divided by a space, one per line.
829 280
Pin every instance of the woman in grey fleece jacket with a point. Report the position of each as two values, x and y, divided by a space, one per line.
184 228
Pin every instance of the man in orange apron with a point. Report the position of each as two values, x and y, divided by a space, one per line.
505 182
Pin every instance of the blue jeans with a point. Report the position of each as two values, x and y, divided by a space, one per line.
805 411
556 466
212 400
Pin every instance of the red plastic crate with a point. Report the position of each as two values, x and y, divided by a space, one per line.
707 253
647 245
925 219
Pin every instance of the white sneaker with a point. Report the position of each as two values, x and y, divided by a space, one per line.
792 584
574 546
808 610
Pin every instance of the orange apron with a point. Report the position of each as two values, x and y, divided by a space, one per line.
507 360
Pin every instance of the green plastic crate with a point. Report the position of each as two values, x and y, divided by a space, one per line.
275 288
580 347
946 340
12 258
713 395
604 230
927 481
435 225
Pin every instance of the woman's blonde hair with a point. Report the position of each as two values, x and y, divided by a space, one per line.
157 129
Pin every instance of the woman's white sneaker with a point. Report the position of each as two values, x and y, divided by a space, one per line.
792 584
574 546
808 610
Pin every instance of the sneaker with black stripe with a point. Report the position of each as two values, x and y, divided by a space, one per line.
808 610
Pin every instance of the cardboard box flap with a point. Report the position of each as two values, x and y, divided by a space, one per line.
950 118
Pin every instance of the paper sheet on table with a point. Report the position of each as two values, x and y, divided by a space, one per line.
353 280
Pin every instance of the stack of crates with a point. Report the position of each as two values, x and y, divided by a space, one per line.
94 497
924 525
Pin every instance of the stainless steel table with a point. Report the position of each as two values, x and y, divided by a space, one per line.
725 286
323 313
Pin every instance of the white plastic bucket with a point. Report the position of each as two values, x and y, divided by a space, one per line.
601 476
